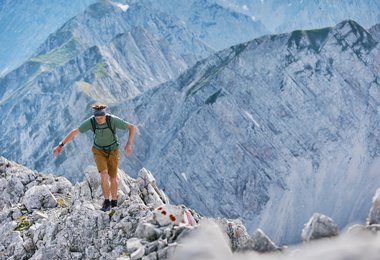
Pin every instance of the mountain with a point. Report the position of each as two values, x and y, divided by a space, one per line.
284 16
216 25
282 125
102 22
24 25
219 23
138 43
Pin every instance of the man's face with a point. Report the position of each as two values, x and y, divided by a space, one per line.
100 119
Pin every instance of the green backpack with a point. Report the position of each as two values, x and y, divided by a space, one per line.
109 125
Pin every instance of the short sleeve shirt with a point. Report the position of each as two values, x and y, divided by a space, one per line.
104 139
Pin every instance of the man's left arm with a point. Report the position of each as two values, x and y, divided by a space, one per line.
128 146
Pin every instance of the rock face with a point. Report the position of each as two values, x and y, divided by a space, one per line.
263 127
37 197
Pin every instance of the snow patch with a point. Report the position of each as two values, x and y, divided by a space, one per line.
250 117
123 7
4 71
184 176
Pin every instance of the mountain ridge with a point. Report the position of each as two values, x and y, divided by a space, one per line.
45 216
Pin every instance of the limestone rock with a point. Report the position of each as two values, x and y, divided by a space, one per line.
38 197
39 227
319 226
262 243
152 196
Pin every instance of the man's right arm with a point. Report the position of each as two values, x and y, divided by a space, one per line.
65 140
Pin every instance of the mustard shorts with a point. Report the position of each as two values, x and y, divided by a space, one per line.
106 160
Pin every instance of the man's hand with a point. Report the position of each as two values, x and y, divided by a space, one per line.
57 150
65 140
128 150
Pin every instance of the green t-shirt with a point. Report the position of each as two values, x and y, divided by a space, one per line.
103 137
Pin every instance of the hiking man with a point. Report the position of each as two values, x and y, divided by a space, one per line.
105 148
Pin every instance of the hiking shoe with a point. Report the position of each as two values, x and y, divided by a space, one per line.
106 205
113 203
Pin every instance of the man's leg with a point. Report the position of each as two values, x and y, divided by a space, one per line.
104 182
101 158
113 163
113 181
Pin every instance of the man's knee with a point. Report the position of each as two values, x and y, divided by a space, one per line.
113 179
104 173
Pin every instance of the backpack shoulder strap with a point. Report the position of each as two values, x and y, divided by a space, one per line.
93 123
109 125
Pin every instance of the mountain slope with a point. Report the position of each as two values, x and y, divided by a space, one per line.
264 127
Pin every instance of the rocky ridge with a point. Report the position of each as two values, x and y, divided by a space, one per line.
46 217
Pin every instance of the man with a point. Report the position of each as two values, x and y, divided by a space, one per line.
105 148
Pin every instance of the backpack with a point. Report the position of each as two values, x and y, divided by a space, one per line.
109 125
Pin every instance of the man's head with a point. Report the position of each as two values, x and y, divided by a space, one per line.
99 111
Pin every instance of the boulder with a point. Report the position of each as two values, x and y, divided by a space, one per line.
168 214
39 197
15 189
262 243
319 226
152 196
236 232
147 231
135 248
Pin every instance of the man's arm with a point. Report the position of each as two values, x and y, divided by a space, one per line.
128 146
65 140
